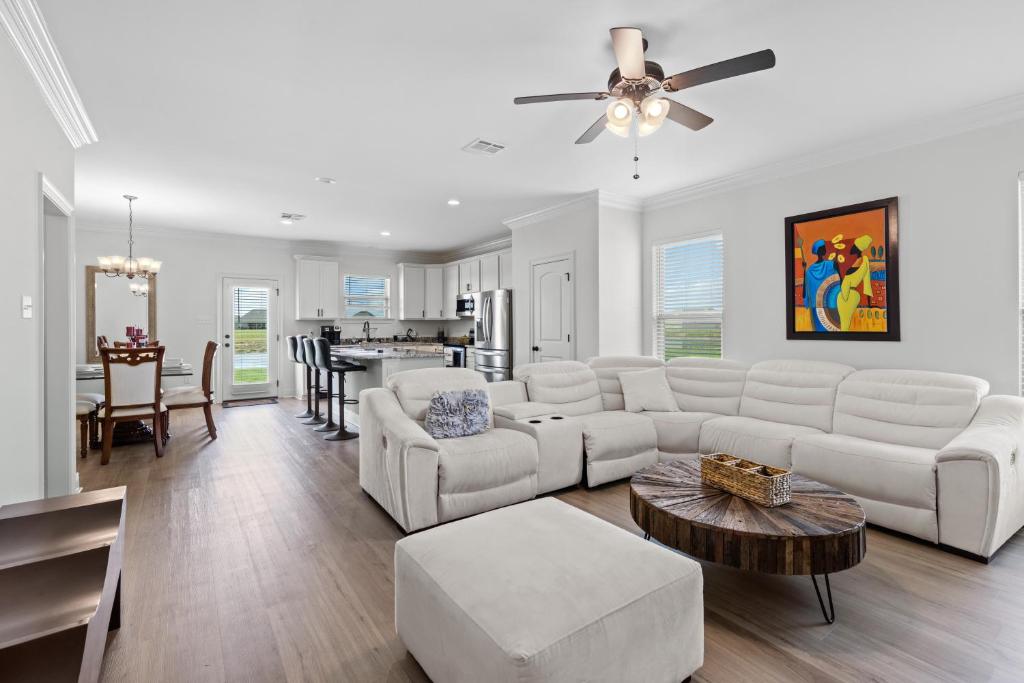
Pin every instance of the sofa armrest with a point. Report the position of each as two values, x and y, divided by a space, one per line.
398 460
980 485
507 391
519 411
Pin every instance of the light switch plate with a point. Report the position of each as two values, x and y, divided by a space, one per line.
26 306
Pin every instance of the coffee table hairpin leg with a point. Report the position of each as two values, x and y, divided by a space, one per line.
830 616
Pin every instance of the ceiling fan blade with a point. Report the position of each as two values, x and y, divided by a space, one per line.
691 118
533 99
737 66
593 131
628 44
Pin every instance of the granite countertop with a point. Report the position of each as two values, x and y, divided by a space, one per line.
359 353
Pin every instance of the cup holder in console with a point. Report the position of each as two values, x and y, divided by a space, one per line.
557 417
535 422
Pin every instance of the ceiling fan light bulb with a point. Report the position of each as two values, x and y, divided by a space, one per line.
621 131
644 128
620 112
653 111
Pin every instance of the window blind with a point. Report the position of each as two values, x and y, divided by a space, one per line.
367 296
688 298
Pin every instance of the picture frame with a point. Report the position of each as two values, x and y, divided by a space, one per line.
842 273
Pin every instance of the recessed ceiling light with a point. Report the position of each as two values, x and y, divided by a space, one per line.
453 202
385 233
325 180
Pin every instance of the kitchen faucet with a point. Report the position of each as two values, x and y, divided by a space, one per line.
366 329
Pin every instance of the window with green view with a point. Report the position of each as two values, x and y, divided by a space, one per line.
688 298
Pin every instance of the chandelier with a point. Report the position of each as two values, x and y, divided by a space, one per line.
130 267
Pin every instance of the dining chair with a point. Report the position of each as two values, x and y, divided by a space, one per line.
177 398
101 341
85 413
131 382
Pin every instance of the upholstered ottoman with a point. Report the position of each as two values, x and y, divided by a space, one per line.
542 591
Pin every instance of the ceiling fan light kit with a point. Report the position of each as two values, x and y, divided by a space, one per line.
635 85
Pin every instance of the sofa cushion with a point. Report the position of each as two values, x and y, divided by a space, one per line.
485 471
607 369
454 414
570 385
902 475
763 441
415 388
710 385
647 390
796 392
617 444
678 431
546 592
908 407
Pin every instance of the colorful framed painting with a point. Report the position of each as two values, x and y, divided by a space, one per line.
842 273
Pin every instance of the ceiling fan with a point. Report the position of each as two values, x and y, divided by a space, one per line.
636 82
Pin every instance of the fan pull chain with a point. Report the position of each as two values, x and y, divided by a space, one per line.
636 158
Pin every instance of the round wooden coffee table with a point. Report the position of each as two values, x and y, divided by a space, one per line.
821 531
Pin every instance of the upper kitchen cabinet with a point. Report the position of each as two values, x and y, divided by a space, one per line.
451 291
317 283
420 292
412 303
505 278
433 292
489 272
469 276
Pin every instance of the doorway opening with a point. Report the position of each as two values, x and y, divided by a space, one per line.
60 471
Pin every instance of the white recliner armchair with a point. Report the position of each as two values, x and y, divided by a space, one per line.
421 481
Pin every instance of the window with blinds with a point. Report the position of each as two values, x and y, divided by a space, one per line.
367 296
688 298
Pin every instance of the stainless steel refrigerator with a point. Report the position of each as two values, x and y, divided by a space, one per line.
493 350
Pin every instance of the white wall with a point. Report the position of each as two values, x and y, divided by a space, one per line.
189 282
31 143
620 266
572 230
958 255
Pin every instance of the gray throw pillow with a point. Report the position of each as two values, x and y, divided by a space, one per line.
453 414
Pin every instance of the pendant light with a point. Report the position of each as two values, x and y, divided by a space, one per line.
130 267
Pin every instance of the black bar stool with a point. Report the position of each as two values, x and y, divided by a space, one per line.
322 362
342 367
295 355
309 358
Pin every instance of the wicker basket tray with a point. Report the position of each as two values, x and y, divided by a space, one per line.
762 484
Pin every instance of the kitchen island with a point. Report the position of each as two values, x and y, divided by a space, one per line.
381 362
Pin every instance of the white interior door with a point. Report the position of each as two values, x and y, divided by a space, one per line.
552 304
250 338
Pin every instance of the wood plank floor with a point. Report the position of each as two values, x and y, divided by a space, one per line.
256 557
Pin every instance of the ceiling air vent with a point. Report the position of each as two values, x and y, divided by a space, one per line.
487 147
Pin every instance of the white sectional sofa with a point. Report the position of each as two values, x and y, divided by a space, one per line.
928 454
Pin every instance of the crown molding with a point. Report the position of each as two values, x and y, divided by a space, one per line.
25 25
476 250
989 114
549 212
619 201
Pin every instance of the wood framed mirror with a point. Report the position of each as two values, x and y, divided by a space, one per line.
110 307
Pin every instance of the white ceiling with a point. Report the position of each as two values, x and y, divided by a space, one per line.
218 114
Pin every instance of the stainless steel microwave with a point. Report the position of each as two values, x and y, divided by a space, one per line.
465 305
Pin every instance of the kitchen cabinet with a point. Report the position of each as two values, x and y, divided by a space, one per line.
505 277
433 292
317 285
488 272
411 292
421 293
469 276
451 291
